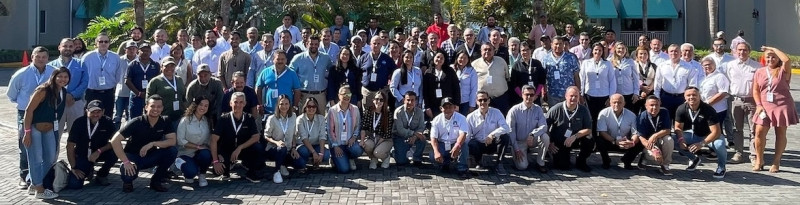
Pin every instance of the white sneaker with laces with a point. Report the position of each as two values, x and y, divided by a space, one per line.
47 194
385 163
352 164
373 163
277 178
284 171
201 180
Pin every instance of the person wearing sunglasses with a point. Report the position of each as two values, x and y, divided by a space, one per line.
344 122
104 74
376 131
583 50
528 130
312 137
489 132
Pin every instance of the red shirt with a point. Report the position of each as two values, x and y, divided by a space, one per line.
441 31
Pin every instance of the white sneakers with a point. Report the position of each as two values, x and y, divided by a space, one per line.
201 180
385 163
284 171
277 177
353 165
47 194
373 163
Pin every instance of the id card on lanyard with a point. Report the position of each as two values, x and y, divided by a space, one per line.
174 85
568 133
770 88
102 79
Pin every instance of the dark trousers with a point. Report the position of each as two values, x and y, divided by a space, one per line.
604 146
629 103
595 105
280 156
162 159
252 157
82 163
478 148
196 165
501 103
671 102
105 96
562 157
23 154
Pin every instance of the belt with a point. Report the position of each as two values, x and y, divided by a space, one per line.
663 92
743 98
100 91
312 92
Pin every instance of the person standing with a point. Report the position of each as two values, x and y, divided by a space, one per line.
441 82
719 55
345 30
562 71
136 33
439 28
138 78
406 78
543 28
287 25
328 47
599 83
672 78
252 45
209 55
233 60
160 49
743 105
274 81
647 75
262 60
172 90
470 45
626 76
450 45
492 73
312 69
657 55
483 34
377 68
570 35
528 71
76 88
467 82
207 86
104 71
122 92
583 50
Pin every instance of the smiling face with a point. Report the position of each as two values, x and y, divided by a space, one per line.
154 108
66 48
62 79
483 101
237 103
692 97
201 108
311 108
653 106
617 102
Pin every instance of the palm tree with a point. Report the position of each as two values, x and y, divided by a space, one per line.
644 17
138 12
712 17
225 11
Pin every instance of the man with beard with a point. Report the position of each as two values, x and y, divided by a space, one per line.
136 34
491 25
210 54
312 69
208 86
232 61
77 84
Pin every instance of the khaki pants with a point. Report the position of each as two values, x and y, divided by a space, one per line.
540 143
667 145
320 99
379 151
742 111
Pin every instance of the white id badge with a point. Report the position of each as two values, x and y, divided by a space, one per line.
176 105
619 81
144 84
273 93
447 146
530 83
101 80
557 75
568 134
489 79
762 115
55 125
438 93
316 78
373 77
343 135
770 96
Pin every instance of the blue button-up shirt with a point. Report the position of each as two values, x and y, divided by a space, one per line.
331 50
79 79
308 70
245 46
344 36
468 83
566 66
284 83
24 82
99 66
261 61
137 72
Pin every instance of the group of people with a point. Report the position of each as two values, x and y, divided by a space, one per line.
299 98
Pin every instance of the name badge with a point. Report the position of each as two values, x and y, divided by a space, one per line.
438 93
489 80
55 125
373 77
762 115
568 134
557 75
316 78
619 81
343 135
144 84
530 83
175 105
273 93
101 80
770 96
447 146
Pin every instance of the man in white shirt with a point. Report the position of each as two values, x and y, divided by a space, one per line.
740 72
719 55
489 132
160 49
656 54
287 25
672 78
209 54
687 56
448 137
546 47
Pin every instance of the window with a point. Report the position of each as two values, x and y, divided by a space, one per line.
42 21
652 24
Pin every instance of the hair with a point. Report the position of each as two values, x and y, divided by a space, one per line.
39 49
692 88
483 92
602 49
218 18
526 45
193 108
176 47
50 88
409 93
513 40
528 87
642 48
153 97
458 54
383 32
645 37
237 95
745 44
344 88
310 100
141 30
653 97
267 36
351 63
616 59
82 43
280 52
290 112
611 31
721 39
286 32
385 126
404 68
710 60
325 30
239 74
687 45
740 33
236 33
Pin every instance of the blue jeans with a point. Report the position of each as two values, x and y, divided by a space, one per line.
41 155
718 146
401 148
120 107
278 155
305 154
23 154
342 163
162 159
197 164
463 157
136 107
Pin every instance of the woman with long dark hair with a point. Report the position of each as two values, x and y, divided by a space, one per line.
42 114
440 82
184 67
376 131
406 78
345 73
193 134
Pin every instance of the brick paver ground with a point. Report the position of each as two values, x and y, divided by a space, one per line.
427 186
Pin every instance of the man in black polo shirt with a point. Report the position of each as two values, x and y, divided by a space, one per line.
151 143
569 126
235 137
696 126
87 144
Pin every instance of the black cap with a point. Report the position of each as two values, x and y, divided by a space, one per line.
447 100
94 105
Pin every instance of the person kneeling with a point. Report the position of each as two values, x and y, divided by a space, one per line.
489 130
528 130
653 126
617 127
696 126
448 137
280 135
571 126
85 147
235 137
343 129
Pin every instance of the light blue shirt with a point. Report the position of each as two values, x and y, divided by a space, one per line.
494 123
313 74
468 83
413 83
245 46
79 79
332 51
106 67
24 82
188 52
344 36
260 61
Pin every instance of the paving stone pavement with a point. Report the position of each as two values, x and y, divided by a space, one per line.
428 186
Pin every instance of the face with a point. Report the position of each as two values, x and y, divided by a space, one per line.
337 35
423 40
177 53
226 32
305 34
410 101
572 97
558 46
66 48
62 79
95 115
235 40
687 53
237 103
433 39
584 40
692 97
40 58
451 32
168 70
673 52
413 44
339 20
218 23
408 59
462 59
570 29
709 67
379 101
373 23
642 41
363 35
543 20
144 53
280 59
286 21
131 51
161 36
771 59
448 109
620 50
495 37
238 83
527 96
400 38
252 35
375 44
326 37
102 43
311 108
491 21
344 56
197 42
286 39
611 36
525 52
642 55
211 39
415 31
469 35
655 45
597 52
284 105
154 108
136 35
742 52
653 106
487 52
483 101
437 19
201 108
183 37
439 59
617 103
204 77
313 46
546 43
344 97
394 49
513 46
78 44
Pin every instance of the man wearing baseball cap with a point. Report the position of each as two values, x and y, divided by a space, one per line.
138 77
88 144
208 86
122 92
449 138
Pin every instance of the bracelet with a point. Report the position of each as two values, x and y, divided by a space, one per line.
27 130
215 161
99 151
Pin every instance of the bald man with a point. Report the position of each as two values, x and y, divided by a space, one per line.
570 126
617 127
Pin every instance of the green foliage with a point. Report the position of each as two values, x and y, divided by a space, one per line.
116 27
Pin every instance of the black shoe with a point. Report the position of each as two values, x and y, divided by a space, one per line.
253 177
445 168
500 170
606 166
693 164
127 187
102 181
463 175
628 166
584 168
719 174
158 187
416 163
542 169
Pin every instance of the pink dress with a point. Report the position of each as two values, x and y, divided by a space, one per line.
782 111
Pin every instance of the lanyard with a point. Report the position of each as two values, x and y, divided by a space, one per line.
514 59
489 67
376 121
343 117
655 127
91 130
644 70
451 46
559 59
570 116
39 76
322 48
543 28
102 61
769 80
409 118
619 122
284 125
309 127
374 62
173 84
314 61
372 33
470 51
266 57
144 69
448 126
693 116
236 128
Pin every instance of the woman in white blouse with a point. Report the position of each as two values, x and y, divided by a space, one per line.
193 134
312 136
598 82
627 77
184 68
714 88
280 135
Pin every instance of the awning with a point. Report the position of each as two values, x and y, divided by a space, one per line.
111 8
601 9
656 9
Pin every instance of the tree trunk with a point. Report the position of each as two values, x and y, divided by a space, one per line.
644 17
436 6
712 18
138 12
225 11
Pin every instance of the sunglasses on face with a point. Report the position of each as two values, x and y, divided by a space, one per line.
102 41
529 94
483 100
346 94
311 107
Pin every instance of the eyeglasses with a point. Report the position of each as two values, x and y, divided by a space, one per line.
346 94
379 99
719 45
483 100
103 41
529 94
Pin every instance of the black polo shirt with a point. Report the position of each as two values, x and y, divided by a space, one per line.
139 133
79 135
647 125
706 117
228 137
558 121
